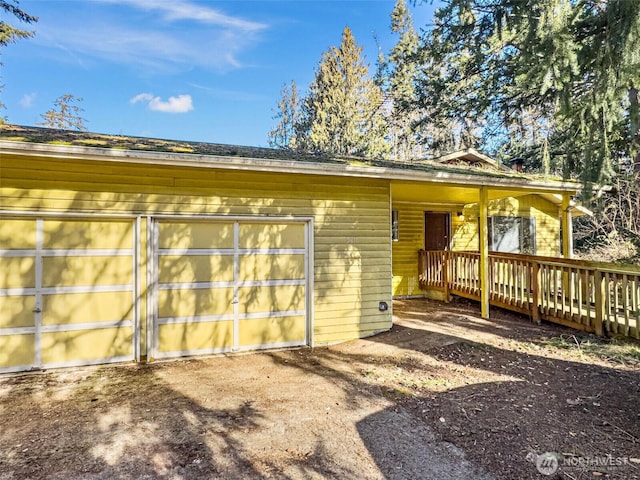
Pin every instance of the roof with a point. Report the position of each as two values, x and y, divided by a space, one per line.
469 157
43 142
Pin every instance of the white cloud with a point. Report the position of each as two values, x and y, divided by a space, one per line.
179 104
199 36
184 10
27 100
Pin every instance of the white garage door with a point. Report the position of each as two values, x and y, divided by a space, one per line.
229 285
66 292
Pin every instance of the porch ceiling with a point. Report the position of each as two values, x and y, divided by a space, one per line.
447 194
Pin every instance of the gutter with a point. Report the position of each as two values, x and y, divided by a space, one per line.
142 157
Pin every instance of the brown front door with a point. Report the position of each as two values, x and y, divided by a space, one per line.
436 230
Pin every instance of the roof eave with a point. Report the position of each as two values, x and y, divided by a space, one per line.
278 166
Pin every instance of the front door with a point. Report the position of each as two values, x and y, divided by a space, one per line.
436 230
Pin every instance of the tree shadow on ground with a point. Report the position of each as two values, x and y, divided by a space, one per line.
122 422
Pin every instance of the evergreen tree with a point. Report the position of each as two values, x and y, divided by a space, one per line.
284 134
65 114
397 76
550 78
342 113
8 33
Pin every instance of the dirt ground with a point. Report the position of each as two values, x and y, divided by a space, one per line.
443 395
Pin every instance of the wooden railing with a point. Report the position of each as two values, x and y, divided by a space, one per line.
590 296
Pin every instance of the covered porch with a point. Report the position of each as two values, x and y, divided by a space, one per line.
506 242
588 296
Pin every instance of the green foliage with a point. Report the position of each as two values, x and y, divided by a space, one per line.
396 74
548 79
65 115
288 115
8 33
342 111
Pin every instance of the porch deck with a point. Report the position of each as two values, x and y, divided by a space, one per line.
589 296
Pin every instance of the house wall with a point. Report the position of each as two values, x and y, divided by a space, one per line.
411 239
465 233
545 212
351 246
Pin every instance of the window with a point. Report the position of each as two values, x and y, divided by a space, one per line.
395 235
512 235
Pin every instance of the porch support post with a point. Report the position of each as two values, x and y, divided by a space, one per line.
483 244
567 226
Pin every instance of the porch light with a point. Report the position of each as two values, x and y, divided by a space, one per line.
460 216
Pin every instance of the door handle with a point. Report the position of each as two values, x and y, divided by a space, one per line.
36 309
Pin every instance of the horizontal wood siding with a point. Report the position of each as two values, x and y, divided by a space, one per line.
411 239
546 213
352 224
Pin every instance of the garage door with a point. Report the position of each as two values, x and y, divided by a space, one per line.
234 285
66 292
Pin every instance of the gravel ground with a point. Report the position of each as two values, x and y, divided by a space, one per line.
443 395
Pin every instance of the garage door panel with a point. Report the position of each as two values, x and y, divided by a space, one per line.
93 307
264 299
195 235
87 271
274 331
17 234
78 346
186 337
83 234
271 235
195 268
258 266
17 311
195 302
17 272
17 350
228 285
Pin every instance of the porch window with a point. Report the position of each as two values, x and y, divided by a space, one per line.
395 234
512 235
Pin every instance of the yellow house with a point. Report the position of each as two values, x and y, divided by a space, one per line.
118 249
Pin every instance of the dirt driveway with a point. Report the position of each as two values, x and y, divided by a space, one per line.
443 395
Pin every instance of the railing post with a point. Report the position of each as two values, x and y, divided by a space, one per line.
535 292
445 275
422 266
600 300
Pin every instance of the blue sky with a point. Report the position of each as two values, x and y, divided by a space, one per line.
181 69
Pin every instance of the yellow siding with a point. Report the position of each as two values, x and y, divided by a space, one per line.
351 220
464 232
545 212
411 239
